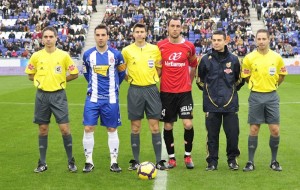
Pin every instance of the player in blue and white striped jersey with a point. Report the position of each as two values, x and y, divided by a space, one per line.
104 70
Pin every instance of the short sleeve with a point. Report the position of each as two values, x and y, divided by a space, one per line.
31 66
71 66
246 70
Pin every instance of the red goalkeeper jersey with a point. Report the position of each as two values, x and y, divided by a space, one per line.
176 62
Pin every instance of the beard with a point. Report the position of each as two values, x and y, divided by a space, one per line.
174 36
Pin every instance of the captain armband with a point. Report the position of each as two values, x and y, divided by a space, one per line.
122 67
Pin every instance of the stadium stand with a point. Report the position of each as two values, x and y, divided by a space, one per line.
21 23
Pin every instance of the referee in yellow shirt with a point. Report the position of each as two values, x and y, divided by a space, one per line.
143 61
48 69
264 70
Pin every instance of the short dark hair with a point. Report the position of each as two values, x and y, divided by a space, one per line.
220 32
139 25
263 31
51 29
102 26
173 18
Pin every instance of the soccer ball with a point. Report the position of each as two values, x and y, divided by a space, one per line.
146 170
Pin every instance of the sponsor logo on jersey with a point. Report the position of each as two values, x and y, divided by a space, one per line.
101 69
186 110
246 71
30 66
175 56
71 67
174 64
283 70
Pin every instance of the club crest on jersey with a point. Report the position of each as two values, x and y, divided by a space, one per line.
111 60
228 68
228 65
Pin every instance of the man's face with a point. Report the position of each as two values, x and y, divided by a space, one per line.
174 28
139 34
49 38
218 42
101 37
262 41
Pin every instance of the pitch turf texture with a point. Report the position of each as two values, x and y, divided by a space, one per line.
19 146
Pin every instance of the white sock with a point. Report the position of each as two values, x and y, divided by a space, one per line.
88 146
187 153
113 144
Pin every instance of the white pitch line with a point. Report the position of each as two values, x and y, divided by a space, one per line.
161 176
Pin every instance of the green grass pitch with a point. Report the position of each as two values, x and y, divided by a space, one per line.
19 146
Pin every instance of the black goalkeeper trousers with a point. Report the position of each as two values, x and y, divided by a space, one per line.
213 122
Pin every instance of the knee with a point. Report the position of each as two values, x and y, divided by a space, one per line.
43 130
111 130
155 129
275 132
188 125
65 129
135 129
89 129
65 132
254 131
168 126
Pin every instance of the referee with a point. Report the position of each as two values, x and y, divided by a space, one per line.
143 60
48 69
264 70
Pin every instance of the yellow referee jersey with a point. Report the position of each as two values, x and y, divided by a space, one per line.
141 64
264 70
50 69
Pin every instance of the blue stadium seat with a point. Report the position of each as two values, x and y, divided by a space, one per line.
191 32
197 36
136 2
198 49
4 51
115 2
225 24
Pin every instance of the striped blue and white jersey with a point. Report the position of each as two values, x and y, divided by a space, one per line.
104 73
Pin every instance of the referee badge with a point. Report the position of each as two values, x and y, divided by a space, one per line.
272 71
151 63
58 69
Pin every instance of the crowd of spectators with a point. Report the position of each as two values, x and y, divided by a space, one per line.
22 22
282 21
200 18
